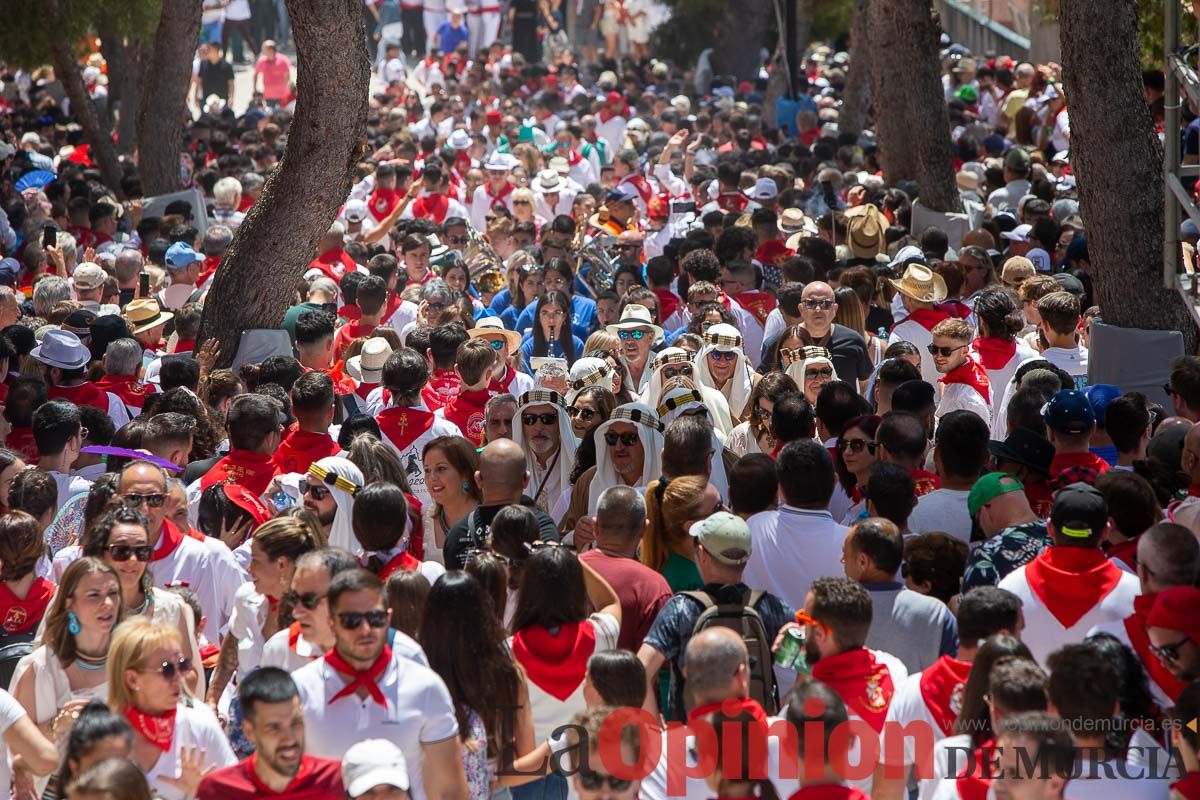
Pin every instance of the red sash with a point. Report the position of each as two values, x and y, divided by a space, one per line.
730 708
333 263
168 540
941 689
556 664
1135 629
302 448
863 683
760 304
21 442
403 426
434 206
972 374
994 353
393 305
442 387
405 562
928 318
1070 581
641 186
367 679
829 791
382 202
466 411
157 729
85 394
252 470
974 785
126 387
924 481
22 615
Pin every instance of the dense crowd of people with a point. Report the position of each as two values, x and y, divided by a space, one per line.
606 390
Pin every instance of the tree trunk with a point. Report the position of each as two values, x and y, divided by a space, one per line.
95 132
777 87
163 108
856 99
910 107
1117 160
131 95
112 47
278 239
738 38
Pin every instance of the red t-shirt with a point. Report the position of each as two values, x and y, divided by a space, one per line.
317 779
642 592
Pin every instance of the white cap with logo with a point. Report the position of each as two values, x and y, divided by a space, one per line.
371 763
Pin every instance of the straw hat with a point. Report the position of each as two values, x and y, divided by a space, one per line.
490 326
144 314
865 231
920 283
793 221
367 366
635 316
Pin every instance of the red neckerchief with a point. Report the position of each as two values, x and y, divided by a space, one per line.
209 655
500 195
731 708
1071 581
640 185
462 162
363 390
301 448
1188 786
760 304
466 411
85 394
382 202
609 113
955 308
1126 551
333 263
829 791
941 688
772 252
393 305
366 679
442 387
23 614
157 729
924 481
183 346
556 664
732 202
863 683
306 767
403 426
1088 461
126 387
1135 629
21 442
169 539
992 352
252 470
975 783
343 384
210 269
348 333
294 637
972 374
503 385
668 302
927 318
350 313
433 205
405 562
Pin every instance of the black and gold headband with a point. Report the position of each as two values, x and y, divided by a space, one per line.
591 378
672 403
331 478
541 396
672 358
722 339
638 417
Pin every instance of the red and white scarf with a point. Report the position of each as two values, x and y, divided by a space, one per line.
466 411
433 206
157 729
301 448
863 683
126 387
22 614
85 394
972 374
403 426
1070 581
555 662
994 353
252 470
941 688
442 387
169 539
927 318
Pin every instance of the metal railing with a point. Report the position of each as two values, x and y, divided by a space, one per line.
970 24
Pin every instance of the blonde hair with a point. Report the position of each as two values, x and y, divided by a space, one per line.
130 644
289 537
524 193
668 504
954 328
227 192
55 634
602 340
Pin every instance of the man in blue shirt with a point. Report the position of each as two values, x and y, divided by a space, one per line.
454 31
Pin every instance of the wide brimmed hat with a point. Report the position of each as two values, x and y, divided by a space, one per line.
921 284
367 366
793 221
548 181
492 326
635 316
459 140
865 228
144 314
62 349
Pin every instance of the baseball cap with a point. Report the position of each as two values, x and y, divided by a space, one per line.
371 763
1069 412
88 276
620 194
1100 395
356 210
726 537
180 255
1017 160
1018 234
1079 511
1069 283
989 487
1041 262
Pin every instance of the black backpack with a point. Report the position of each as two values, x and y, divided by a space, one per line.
746 622
13 647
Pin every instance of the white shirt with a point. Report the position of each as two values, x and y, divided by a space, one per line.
791 548
250 611
1073 360
404 314
1044 634
942 510
963 397
419 712
69 485
279 651
195 727
999 379
775 324
1137 779
212 574
411 456
916 334
908 706
10 712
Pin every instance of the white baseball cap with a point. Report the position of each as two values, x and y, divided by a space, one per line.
371 763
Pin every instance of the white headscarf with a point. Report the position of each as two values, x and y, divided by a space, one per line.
680 401
812 355
652 443
665 357
585 372
722 338
566 438
341 533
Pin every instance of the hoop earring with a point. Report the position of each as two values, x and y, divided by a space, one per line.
73 624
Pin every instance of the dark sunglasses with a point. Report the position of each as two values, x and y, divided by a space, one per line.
637 335
761 412
545 419
717 355
154 500
586 413
350 620
857 445
169 670
457 239
945 352
823 372
318 491
682 371
1169 653
309 601
594 780
627 439
124 552
823 305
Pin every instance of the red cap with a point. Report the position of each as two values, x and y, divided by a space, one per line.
659 207
244 499
1177 609
745 87
493 117
613 97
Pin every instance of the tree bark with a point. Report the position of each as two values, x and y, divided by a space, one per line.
856 99
163 110
738 38
910 106
131 96
278 239
95 132
1117 160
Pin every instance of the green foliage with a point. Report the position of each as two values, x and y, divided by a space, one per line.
831 20
1150 27
29 24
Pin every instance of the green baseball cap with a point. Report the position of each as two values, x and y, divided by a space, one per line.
989 487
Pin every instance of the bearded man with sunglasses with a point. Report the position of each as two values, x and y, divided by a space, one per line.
847 349
359 690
